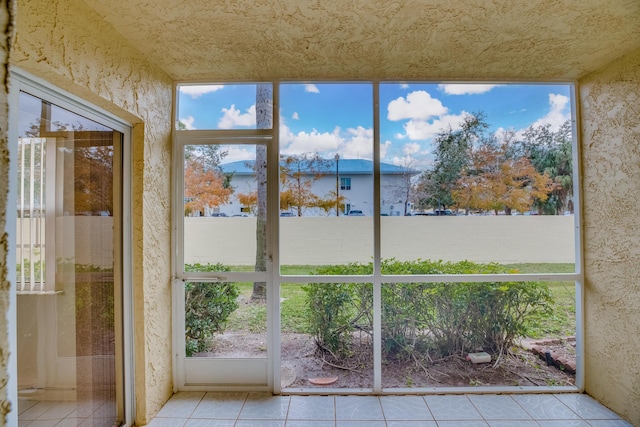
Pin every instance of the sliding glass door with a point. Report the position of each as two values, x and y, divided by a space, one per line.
69 266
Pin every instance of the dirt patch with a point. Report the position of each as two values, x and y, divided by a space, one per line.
301 361
560 352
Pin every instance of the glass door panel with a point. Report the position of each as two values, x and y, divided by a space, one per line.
221 210
224 264
69 267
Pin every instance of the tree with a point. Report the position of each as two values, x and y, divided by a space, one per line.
249 200
551 153
330 201
93 180
497 180
204 187
297 175
92 152
264 120
452 150
297 186
209 155
405 190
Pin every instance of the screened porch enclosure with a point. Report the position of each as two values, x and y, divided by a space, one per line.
377 254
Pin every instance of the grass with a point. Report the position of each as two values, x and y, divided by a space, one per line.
562 321
253 318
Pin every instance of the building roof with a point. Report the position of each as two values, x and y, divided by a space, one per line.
345 167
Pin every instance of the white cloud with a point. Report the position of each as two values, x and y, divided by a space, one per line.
385 148
358 143
188 122
352 143
311 88
559 112
233 118
465 88
197 91
418 130
411 148
404 86
305 142
238 152
418 105
295 116
502 134
412 155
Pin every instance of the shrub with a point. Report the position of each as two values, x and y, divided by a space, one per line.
207 307
336 310
450 318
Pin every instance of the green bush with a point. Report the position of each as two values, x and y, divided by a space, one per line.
207 307
336 310
447 318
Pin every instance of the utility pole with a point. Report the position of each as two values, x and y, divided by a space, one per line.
337 184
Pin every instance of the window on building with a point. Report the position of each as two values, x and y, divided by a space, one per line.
345 183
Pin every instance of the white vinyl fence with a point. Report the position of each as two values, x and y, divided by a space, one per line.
331 240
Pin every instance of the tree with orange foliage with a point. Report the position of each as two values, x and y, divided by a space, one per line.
496 180
329 203
297 175
204 187
249 200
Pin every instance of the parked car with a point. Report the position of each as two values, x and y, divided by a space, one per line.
356 212
286 213
219 214
442 212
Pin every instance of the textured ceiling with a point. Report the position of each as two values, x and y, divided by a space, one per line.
377 39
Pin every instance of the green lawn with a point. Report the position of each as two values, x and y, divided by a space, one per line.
252 317
562 322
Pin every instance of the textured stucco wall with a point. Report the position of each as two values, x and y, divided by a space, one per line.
69 45
400 39
610 104
6 23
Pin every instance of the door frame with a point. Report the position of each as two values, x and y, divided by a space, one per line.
203 373
23 81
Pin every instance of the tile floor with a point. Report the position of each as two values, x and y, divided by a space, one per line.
200 409
65 413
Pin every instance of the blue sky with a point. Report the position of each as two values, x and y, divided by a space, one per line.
334 118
